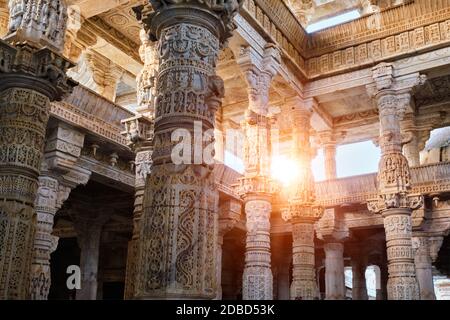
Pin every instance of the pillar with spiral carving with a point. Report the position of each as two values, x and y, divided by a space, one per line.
32 74
179 224
395 201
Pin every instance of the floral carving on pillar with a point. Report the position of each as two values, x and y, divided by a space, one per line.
179 223
257 279
29 79
392 97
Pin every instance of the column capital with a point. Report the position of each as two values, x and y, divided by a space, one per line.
216 15
23 65
258 74
302 212
332 227
385 80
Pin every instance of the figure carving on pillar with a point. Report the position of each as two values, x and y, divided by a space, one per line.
139 133
392 96
42 22
177 258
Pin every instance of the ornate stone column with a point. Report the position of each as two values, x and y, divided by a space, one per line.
229 214
426 249
139 132
329 140
359 287
334 271
4 17
256 187
414 137
30 78
332 229
58 177
88 225
301 211
179 225
392 96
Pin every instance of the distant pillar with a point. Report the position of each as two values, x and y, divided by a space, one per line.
334 271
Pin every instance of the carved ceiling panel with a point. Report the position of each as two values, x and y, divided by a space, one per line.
122 18
435 91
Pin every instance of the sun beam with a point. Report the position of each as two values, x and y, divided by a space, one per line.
284 170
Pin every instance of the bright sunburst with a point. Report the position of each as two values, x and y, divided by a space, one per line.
284 170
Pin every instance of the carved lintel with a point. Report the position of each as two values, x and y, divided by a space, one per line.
395 200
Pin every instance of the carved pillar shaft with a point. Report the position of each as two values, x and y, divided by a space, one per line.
177 251
395 203
334 271
44 242
402 284
412 152
258 278
359 288
256 187
330 161
424 271
89 230
301 210
29 79
219 267
304 285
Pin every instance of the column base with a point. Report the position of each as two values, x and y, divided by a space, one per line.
257 283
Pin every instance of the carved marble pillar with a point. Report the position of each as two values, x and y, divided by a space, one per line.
59 175
4 17
88 225
359 287
333 230
329 152
426 250
29 79
414 137
301 211
334 271
139 133
256 188
179 224
395 203
229 213
257 277
328 140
